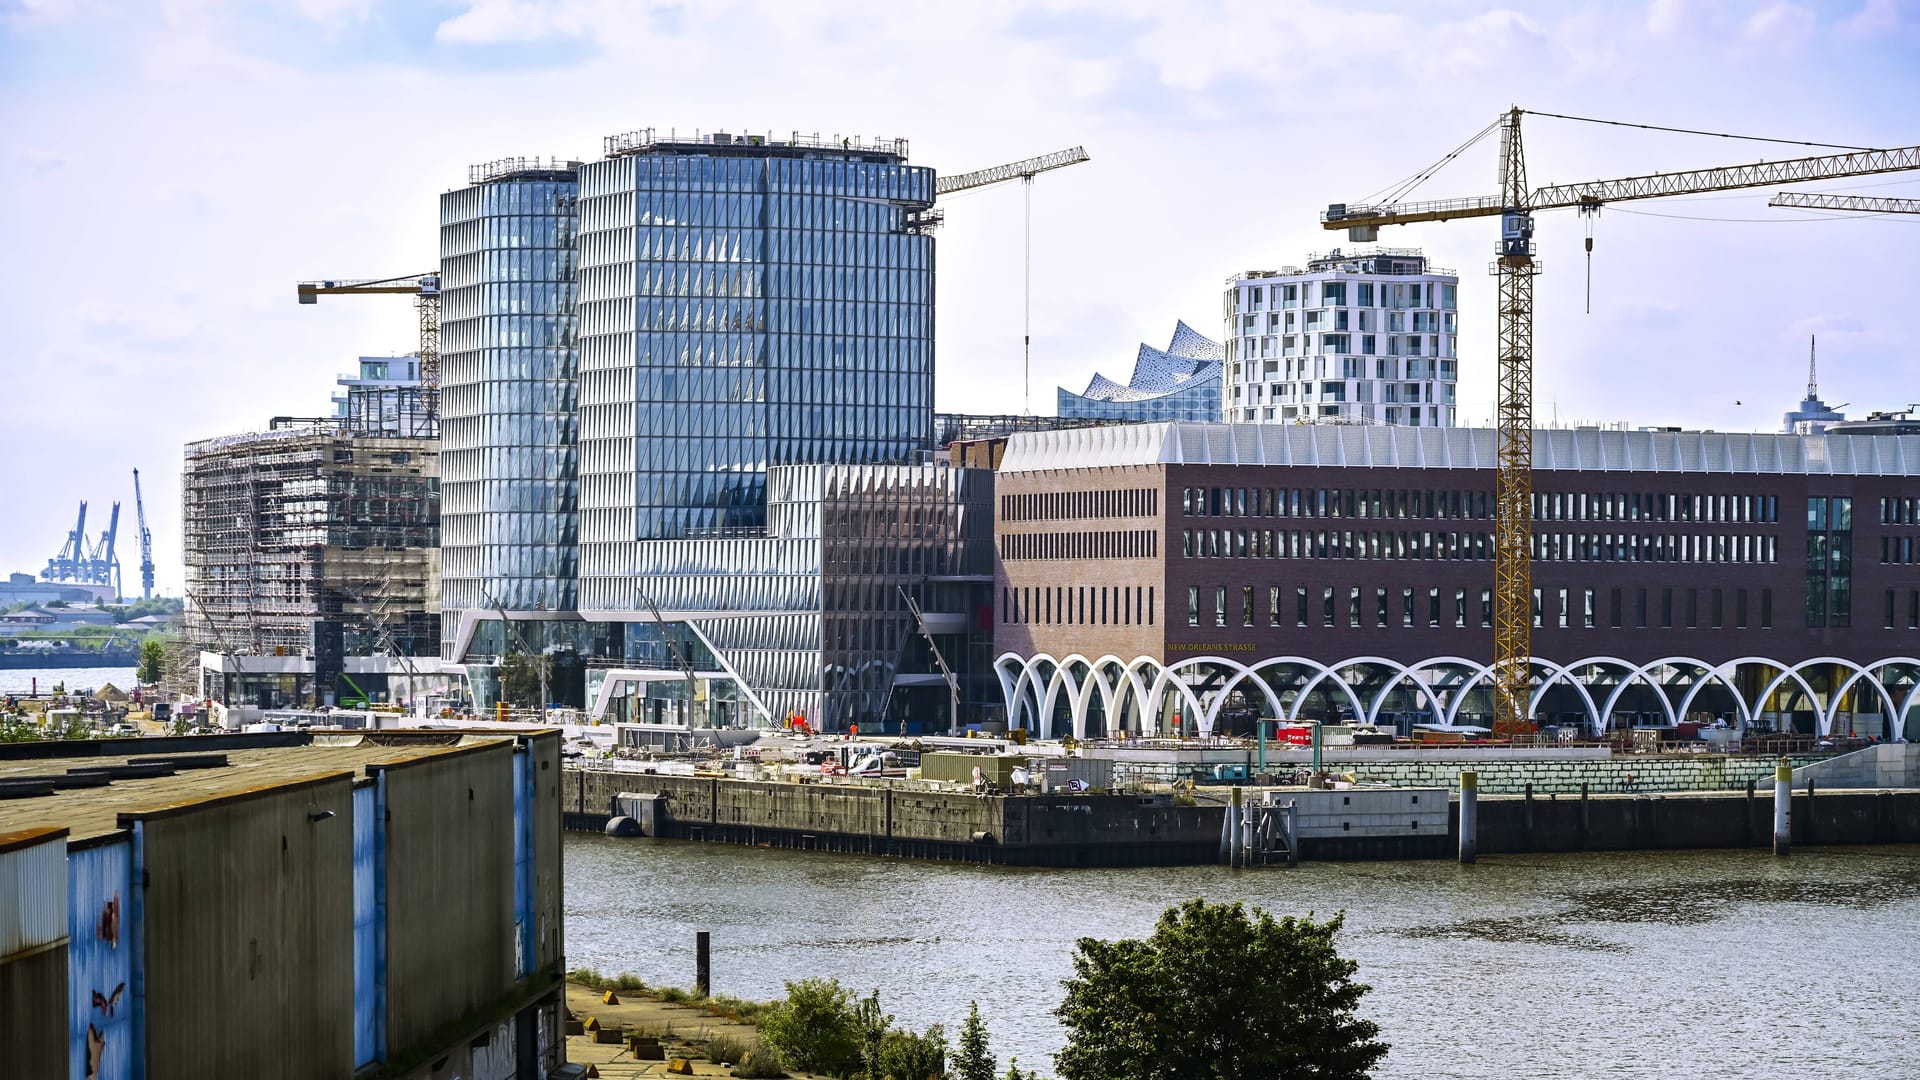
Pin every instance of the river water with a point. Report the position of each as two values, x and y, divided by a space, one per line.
1687 964
21 680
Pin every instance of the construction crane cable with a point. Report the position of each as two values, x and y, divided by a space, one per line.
1406 187
1695 131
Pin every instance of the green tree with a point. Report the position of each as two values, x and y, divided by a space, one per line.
153 656
520 679
973 1058
1217 993
902 1055
815 1030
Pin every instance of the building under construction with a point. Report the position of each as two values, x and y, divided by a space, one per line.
313 540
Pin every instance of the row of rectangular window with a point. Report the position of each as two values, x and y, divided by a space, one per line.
1112 502
1899 549
1086 605
1911 603
1547 547
1547 506
1414 294
1119 544
1585 615
1900 511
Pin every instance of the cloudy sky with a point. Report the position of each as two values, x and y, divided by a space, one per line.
169 169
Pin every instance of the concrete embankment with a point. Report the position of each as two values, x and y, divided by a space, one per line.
1516 823
1151 830
1023 830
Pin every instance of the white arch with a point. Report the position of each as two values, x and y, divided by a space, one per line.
1644 673
1893 714
1823 718
1411 672
1201 718
1346 688
1724 675
1034 684
1556 673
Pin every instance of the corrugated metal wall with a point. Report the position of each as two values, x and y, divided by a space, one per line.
522 862
100 1008
549 940
33 952
33 893
247 933
449 889
369 1006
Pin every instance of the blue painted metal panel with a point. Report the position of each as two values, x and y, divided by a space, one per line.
522 862
366 996
380 917
136 907
101 1034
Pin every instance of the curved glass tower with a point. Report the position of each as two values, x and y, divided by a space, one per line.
508 400
744 303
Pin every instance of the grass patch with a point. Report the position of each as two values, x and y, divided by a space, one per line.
726 1050
624 981
727 1007
759 1062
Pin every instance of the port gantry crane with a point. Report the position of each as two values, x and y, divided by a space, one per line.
1515 267
146 540
1023 171
1804 200
425 289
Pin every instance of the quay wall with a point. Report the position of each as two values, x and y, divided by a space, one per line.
1512 824
1125 830
1036 830
1620 773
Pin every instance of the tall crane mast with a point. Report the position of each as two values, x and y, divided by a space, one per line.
1023 171
146 541
1804 200
425 289
1515 268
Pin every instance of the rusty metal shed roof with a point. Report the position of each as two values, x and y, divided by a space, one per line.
91 812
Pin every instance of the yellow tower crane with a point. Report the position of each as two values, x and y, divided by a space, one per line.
425 289
1515 267
1804 200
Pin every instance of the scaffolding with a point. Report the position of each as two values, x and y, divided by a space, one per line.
309 525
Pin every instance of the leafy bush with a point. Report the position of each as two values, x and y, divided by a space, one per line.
906 1056
815 1029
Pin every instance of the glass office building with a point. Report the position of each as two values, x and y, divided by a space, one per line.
810 621
778 296
508 405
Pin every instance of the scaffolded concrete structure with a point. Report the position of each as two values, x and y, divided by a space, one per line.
292 529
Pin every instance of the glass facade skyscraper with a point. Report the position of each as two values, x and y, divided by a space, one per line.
754 404
744 304
509 400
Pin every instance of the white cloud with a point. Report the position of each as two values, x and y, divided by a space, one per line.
1781 24
1665 16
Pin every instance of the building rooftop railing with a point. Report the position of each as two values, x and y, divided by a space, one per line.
501 168
644 139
